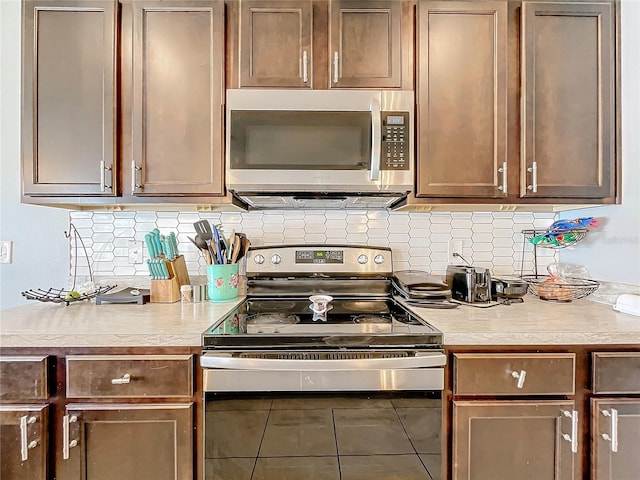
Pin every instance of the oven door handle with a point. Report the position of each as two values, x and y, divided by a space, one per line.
228 362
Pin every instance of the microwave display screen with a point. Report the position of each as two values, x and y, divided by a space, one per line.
300 140
395 120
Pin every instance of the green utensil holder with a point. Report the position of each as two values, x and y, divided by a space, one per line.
222 282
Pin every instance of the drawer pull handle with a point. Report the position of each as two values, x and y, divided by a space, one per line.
66 444
521 376
613 438
573 438
24 433
126 378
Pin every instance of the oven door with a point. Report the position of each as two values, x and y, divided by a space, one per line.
318 141
349 418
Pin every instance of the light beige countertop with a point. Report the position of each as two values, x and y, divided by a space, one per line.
534 322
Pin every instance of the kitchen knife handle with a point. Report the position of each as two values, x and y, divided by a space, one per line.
376 133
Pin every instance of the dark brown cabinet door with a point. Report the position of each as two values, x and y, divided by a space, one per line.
365 43
177 98
568 74
275 43
462 99
69 97
23 442
141 441
515 439
615 425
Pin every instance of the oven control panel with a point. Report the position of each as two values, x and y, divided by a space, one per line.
319 260
319 256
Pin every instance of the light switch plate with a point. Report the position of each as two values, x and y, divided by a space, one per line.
6 251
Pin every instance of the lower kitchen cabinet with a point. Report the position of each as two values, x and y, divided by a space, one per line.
121 441
615 445
24 431
514 440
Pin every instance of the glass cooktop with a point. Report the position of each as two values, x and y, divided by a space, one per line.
286 322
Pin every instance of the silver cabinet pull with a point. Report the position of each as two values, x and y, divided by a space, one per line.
103 168
521 376
66 444
305 61
335 67
533 169
126 378
613 438
25 445
503 170
376 134
134 170
573 438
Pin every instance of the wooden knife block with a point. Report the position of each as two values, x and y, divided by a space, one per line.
168 291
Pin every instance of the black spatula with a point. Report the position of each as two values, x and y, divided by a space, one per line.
204 230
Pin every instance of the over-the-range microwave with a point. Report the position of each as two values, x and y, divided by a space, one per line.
325 148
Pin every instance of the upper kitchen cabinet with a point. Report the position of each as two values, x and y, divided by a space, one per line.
516 102
321 44
462 99
69 98
173 70
568 109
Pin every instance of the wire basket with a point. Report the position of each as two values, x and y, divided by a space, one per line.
560 290
557 238
59 295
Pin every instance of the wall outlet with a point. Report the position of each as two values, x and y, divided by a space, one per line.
455 246
6 251
135 252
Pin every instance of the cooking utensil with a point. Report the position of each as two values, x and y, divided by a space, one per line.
203 228
216 238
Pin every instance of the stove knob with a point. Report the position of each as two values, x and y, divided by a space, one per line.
378 259
362 259
276 259
259 259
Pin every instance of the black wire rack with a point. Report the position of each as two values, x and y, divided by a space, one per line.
68 296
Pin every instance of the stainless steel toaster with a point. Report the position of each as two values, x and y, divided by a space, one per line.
469 284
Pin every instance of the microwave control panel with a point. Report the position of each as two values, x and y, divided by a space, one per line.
395 141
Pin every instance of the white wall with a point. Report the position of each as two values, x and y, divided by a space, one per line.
612 251
40 249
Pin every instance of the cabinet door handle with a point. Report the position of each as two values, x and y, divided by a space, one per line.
503 170
533 169
66 444
103 168
25 445
613 438
521 376
126 378
335 67
305 72
134 170
573 438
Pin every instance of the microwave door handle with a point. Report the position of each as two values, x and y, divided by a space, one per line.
376 133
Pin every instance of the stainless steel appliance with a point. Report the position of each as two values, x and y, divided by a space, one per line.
319 148
348 385
469 284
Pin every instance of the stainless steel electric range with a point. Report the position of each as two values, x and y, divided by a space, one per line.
322 369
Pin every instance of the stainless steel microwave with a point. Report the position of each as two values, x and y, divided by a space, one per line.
319 143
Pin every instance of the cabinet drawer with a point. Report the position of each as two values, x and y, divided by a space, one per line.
514 374
616 372
129 376
24 378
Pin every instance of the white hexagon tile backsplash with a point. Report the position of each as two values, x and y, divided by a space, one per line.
419 240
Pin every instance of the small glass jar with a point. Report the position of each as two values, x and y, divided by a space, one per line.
185 293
